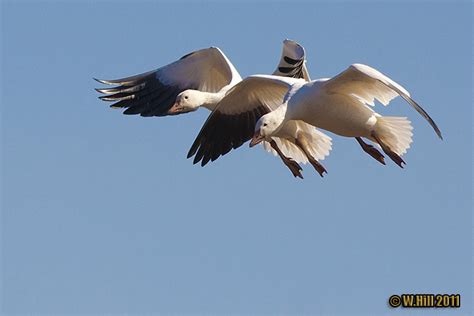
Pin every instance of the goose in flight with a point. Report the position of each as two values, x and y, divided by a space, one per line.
340 105
232 123
200 78
203 78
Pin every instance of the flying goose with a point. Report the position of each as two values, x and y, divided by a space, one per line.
200 78
232 123
340 105
205 74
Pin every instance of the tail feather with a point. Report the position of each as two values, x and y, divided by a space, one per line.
396 132
319 144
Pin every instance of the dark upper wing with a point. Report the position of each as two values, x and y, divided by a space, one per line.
153 93
232 123
293 61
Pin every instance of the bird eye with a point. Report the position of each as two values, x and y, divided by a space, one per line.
186 97
264 124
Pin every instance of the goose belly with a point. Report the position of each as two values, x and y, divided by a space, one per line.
342 115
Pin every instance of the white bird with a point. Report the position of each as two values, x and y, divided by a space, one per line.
233 122
201 78
340 105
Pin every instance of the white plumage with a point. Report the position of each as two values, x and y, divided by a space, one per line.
340 105
295 142
206 78
280 110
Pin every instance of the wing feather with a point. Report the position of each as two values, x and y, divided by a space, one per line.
368 84
154 92
293 61
319 144
232 122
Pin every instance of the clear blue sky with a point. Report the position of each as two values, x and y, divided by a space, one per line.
103 213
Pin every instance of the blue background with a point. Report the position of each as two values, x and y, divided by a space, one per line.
102 213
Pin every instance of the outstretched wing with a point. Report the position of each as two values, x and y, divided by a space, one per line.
233 121
368 84
154 92
293 61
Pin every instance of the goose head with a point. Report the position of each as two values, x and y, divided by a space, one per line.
267 126
187 101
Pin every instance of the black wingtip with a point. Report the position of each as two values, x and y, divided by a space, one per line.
107 82
285 70
101 81
99 90
290 60
430 121
194 146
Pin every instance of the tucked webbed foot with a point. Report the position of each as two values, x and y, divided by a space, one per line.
371 150
294 167
318 167
386 149
302 143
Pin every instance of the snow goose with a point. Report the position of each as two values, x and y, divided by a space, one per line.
340 105
233 122
200 78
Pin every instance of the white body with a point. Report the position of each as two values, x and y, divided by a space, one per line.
341 114
340 105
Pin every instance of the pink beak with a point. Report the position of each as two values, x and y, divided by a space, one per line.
256 139
175 109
